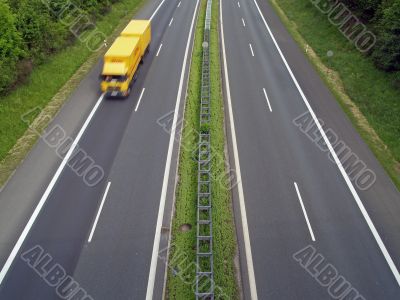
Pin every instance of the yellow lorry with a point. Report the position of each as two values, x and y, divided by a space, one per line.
123 58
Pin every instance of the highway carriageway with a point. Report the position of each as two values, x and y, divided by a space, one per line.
99 233
289 194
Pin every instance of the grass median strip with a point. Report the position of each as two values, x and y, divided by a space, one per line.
182 268
49 86
367 95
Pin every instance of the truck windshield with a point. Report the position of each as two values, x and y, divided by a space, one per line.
109 78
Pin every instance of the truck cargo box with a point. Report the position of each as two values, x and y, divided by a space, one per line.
140 29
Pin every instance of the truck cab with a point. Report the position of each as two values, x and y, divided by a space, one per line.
120 64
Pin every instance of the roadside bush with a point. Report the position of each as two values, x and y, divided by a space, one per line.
383 19
41 35
10 47
386 54
365 9
32 30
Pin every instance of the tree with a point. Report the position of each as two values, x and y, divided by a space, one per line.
31 30
10 46
386 53
41 34
365 9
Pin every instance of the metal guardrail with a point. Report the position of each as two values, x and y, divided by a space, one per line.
204 253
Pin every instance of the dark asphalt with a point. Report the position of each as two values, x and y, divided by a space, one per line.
274 154
132 149
124 237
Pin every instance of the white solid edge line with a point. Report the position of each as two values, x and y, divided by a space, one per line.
266 97
140 99
238 4
155 12
251 49
159 49
157 235
244 24
170 22
246 235
46 194
364 212
99 212
179 4
304 212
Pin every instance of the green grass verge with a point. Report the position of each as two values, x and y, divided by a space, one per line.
49 86
367 95
181 272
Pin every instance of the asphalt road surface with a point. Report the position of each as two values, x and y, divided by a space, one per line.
103 235
291 195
